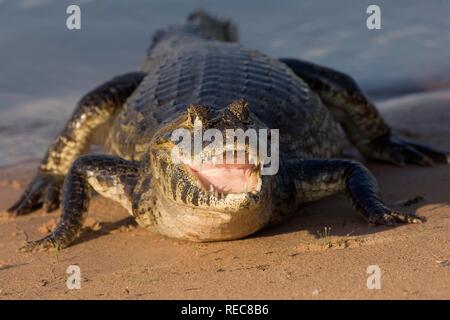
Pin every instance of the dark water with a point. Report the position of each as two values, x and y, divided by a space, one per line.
45 68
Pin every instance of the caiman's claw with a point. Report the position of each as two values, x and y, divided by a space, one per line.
44 244
43 191
392 218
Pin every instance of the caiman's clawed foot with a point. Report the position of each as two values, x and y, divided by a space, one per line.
318 178
49 242
43 191
392 218
391 148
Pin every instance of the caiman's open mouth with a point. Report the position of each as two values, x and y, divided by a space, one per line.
226 178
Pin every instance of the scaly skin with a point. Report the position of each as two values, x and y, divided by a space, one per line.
196 76
105 173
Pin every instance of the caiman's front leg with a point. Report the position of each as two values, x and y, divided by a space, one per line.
315 179
360 119
96 108
111 176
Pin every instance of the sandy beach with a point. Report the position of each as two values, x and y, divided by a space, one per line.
297 260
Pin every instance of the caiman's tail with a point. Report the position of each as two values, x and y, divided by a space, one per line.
198 23
218 28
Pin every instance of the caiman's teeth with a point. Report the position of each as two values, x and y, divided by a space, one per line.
211 189
245 187
214 160
255 161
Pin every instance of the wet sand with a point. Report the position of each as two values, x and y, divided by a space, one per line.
295 260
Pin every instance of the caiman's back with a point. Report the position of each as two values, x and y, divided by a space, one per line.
199 63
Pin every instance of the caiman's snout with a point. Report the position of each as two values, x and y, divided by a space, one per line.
227 161
212 159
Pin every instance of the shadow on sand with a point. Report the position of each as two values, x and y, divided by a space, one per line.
397 186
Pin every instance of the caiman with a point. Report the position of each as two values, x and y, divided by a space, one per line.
197 73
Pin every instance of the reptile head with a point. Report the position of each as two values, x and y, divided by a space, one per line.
221 169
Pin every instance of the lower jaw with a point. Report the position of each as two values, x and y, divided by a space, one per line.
208 224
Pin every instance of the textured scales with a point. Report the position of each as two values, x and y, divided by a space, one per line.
196 75
215 73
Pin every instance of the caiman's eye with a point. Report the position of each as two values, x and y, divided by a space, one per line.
195 111
239 109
